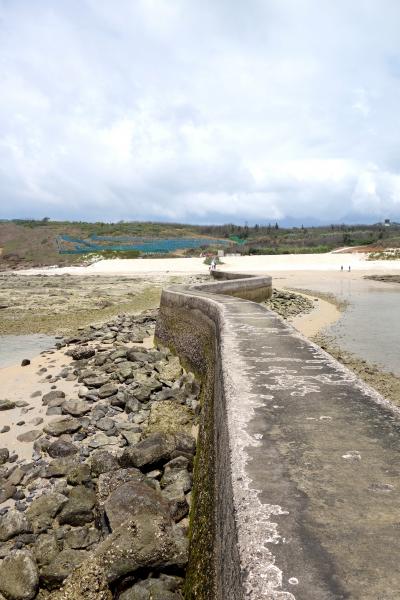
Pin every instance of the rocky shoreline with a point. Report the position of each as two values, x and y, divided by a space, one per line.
289 304
101 509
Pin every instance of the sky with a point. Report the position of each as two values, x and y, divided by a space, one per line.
201 111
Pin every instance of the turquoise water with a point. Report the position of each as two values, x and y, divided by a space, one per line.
14 348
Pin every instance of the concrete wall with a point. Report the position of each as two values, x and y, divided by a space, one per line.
293 450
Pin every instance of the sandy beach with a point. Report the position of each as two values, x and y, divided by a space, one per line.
329 262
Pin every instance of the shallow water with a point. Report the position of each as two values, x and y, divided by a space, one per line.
14 348
370 325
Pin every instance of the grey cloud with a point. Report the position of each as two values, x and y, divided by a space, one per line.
199 111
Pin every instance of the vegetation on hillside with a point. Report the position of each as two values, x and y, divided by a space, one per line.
25 243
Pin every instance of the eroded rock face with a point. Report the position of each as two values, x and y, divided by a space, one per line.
19 576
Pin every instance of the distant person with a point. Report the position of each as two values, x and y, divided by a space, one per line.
213 264
349 268
341 268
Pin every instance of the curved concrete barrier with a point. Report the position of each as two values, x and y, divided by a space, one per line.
297 479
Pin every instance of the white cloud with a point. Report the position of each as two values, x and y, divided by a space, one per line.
199 111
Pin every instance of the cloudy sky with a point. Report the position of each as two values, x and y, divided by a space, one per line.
200 110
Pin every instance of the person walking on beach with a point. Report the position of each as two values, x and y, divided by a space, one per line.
341 268
349 268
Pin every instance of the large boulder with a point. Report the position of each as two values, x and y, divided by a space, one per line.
76 408
158 448
144 541
13 523
61 447
44 509
154 449
131 498
57 395
19 576
81 353
78 510
46 548
62 425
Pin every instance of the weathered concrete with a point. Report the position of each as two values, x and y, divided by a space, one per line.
298 477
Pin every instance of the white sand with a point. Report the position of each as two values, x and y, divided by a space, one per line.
243 264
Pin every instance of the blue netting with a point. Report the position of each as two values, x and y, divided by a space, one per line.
71 245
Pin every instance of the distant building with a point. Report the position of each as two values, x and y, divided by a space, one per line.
387 223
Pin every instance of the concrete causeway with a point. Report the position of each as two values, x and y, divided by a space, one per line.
305 458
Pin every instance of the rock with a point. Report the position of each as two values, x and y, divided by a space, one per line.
108 482
46 548
169 371
79 474
109 389
178 504
162 588
63 425
6 404
4 455
142 393
87 582
131 437
54 395
5 429
6 491
16 476
82 353
53 574
76 408
82 537
25 362
131 498
177 477
155 449
170 417
59 467
61 448
100 440
13 523
29 436
105 423
95 381
43 510
102 462
143 541
19 576
79 508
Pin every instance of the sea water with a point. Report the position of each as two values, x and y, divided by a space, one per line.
14 348
370 325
